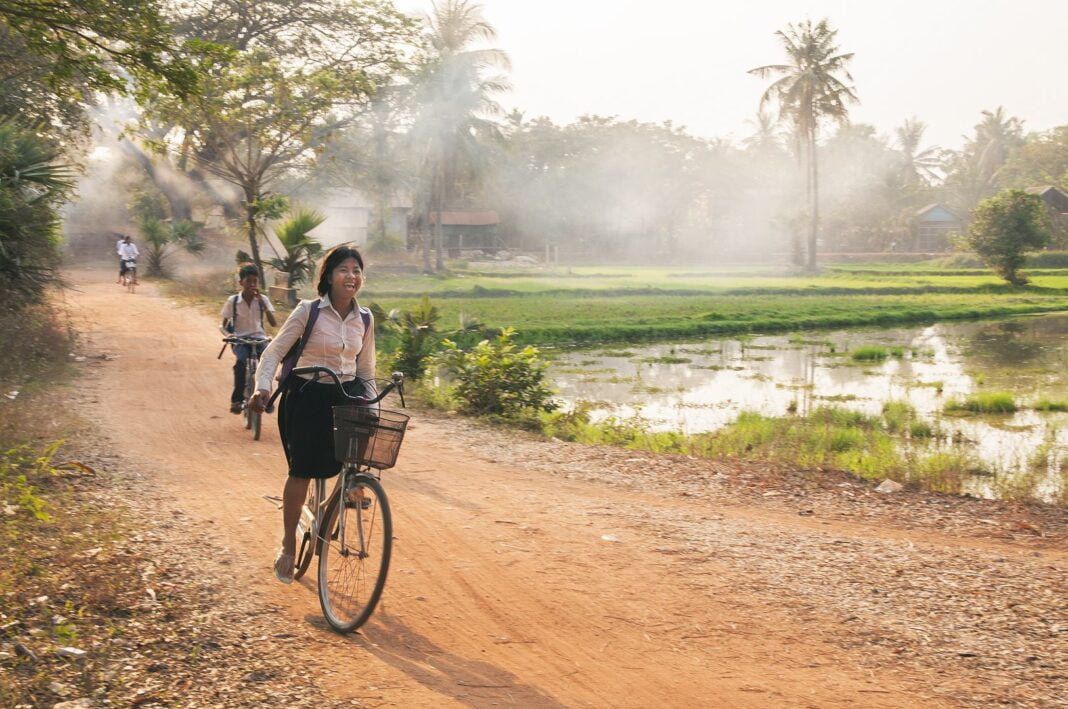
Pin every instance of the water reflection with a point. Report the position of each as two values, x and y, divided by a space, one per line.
702 386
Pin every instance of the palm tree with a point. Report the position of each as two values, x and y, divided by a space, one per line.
810 87
162 239
974 172
33 185
918 166
300 249
457 109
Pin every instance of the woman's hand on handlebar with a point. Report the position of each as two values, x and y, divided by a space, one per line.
258 402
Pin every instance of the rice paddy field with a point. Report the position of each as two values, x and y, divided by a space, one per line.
589 305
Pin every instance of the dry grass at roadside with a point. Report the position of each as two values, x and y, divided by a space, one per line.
101 599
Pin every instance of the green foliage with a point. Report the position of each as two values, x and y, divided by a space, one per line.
417 335
897 415
300 248
148 204
497 377
1046 404
18 468
997 402
32 186
869 353
874 353
545 308
1004 227
273 95
92 46
162 239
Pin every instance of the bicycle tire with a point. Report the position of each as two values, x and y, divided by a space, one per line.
351 582
252 418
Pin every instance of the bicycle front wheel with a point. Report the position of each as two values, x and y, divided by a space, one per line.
354 557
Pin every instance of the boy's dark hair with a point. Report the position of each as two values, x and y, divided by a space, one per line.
247 270
334 257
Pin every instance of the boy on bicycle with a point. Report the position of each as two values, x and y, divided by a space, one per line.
242 315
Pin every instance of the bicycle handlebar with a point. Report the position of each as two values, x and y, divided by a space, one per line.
396 382
244 340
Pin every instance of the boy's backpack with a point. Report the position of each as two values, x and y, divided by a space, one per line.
230 324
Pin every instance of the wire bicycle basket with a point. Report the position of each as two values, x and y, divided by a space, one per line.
368 436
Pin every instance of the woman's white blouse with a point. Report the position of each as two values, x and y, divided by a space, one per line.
340 344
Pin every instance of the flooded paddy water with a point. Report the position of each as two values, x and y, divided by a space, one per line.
697 387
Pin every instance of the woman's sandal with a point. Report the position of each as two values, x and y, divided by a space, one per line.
283 567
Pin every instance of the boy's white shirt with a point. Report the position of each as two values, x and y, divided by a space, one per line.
128 251
248 322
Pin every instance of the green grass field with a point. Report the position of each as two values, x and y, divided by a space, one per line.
603 304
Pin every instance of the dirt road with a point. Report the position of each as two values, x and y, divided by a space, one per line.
535 585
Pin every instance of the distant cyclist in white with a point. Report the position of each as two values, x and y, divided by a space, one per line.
127 252
118 250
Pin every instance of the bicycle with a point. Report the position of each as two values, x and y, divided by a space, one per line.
129 275
351 529
253 418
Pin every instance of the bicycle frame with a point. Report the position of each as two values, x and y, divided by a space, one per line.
312 521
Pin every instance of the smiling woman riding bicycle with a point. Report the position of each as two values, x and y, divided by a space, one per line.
341 338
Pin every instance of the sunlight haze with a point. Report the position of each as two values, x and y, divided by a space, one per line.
686 62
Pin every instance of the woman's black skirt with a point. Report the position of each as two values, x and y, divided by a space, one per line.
306 425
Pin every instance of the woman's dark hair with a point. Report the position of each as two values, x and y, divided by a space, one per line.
334 257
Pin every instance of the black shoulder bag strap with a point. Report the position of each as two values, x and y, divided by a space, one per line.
290 360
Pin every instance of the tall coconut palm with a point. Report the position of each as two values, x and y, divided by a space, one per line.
457 106
813 85
974 172
918 166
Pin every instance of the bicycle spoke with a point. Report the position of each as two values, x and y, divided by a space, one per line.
355 558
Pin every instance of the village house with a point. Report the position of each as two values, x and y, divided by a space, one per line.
1056 201
931 228
464 230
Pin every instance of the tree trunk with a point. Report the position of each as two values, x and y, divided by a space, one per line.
381 182
815 227
439 261
251 226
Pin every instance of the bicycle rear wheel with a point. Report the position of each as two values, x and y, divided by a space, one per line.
354 558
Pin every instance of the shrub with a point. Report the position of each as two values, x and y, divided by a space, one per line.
161 240
496 377
32 187
1004 227
897 415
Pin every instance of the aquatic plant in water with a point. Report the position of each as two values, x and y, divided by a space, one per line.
995 402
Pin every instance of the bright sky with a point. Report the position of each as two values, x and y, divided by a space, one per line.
685 60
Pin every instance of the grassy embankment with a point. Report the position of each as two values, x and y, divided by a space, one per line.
894 445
